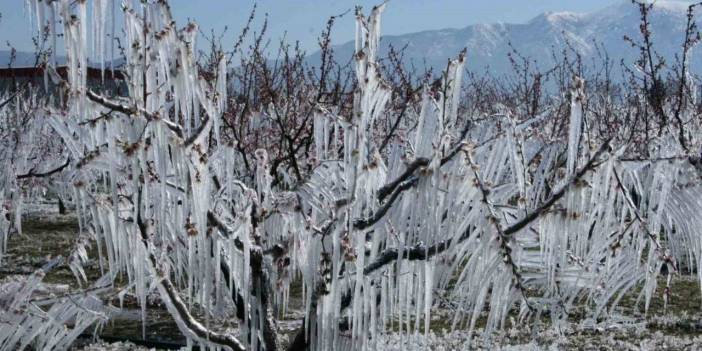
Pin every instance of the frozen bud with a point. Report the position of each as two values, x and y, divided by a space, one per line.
261 157
445 142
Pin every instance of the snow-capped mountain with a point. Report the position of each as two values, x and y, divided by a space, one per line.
489 44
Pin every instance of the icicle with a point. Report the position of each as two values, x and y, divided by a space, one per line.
100 10
452 80
428 286
575 124
429 127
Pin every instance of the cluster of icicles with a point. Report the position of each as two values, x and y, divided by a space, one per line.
170 208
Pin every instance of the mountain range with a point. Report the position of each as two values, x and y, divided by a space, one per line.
488 45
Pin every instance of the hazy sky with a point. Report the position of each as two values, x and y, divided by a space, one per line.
304 19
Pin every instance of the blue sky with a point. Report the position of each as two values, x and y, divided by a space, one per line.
303 20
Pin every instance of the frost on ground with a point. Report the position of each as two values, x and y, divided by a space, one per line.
114 346
624 338
673 330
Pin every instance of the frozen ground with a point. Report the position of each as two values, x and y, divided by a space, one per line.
47 234
616 337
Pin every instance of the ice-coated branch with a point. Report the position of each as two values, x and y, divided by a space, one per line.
503 241
14 95
387 189
421 252
394 189
364 223
193 325
127 110
658 247
34 174
416 252
260 287
641 219
559 192
413 253
28 322
182 313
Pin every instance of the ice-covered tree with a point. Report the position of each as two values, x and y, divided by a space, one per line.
488 216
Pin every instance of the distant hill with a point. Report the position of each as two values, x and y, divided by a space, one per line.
488 44
28 59
22 59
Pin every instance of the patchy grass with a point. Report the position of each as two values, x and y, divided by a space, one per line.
46 236
685 298
42 238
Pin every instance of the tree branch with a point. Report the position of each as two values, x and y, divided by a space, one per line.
558 193
32 174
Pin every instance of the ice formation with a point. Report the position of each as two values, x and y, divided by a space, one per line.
374 236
